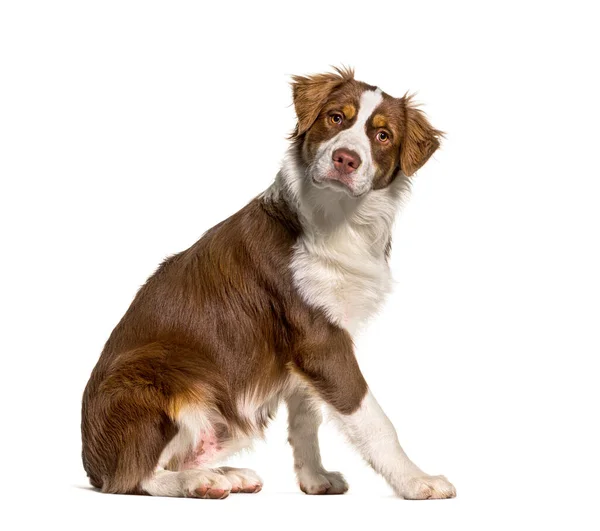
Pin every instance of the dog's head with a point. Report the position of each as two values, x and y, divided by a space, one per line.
355 138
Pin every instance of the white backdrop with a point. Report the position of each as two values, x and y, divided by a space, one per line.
129 128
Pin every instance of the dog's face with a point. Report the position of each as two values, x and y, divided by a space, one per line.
355 138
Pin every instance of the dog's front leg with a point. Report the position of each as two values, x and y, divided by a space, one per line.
304 419
325 361
374 436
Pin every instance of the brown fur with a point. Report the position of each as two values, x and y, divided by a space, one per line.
420 139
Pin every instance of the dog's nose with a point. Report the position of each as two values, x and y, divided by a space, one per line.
345 161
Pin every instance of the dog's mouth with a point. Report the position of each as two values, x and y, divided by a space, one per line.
339 182
334 184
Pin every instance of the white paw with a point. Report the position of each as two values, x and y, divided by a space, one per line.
427 488
207 484
242 479
321 482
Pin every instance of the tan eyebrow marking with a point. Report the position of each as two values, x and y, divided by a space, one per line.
349 111
379 120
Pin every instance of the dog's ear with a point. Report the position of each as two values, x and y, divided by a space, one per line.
310 94
420 139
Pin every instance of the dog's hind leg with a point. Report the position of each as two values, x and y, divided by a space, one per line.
131 421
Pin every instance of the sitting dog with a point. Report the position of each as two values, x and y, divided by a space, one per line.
262 309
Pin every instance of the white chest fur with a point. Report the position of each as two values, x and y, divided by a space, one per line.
339 262
342 275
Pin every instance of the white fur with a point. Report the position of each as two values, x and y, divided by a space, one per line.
187 482
374 436
256 408
192 422
304 418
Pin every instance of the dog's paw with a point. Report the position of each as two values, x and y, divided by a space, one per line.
242 479
321 482
207 484
427 488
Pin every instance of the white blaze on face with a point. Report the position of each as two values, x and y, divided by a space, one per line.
355 139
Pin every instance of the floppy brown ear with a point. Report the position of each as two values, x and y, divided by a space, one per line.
311 92
420 139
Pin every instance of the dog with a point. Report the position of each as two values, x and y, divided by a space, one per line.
262 309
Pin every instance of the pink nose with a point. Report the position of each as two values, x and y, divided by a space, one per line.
345 161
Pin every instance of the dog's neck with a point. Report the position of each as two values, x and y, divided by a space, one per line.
364 222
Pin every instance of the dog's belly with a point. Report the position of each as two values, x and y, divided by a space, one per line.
210 450
205 438
201 445
206 451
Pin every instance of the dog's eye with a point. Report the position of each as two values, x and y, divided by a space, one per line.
383 137
336 118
